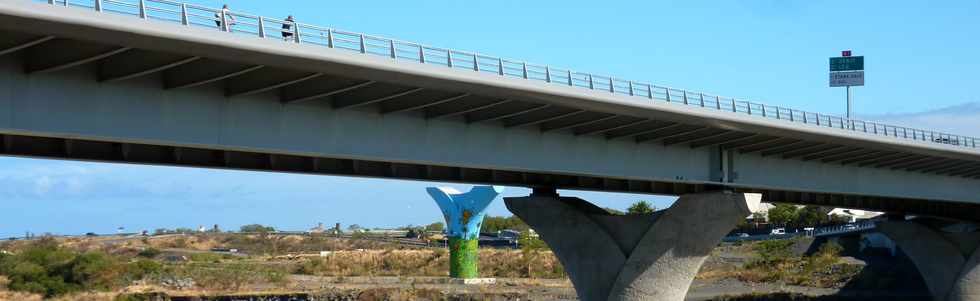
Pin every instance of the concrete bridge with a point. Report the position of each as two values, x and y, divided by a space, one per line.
166 83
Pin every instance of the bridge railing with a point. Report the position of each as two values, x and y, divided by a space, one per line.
294 32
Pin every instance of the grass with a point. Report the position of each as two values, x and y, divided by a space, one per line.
429 262
775 263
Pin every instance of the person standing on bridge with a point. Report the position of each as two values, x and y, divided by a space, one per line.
287 28
224 16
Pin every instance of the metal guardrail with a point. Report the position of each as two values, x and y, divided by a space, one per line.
294 32
823 231
846 228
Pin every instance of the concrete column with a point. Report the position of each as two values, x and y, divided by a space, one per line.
945 254
464 214
633 257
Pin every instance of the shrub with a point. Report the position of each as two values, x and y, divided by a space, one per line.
45 268
149 253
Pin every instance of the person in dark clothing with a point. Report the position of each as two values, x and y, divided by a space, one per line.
226 12
287 28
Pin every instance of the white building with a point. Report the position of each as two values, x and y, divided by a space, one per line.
854 215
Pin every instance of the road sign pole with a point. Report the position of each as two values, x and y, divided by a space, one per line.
850 124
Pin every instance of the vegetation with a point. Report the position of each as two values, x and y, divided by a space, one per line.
776 262
435 227
256 228
149 253
641 207
800 217
492 224
430 262
45 268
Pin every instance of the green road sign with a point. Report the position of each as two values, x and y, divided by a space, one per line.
849 63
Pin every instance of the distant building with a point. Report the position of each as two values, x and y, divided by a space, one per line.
318 229
854 215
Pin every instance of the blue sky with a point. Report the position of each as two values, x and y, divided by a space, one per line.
921 67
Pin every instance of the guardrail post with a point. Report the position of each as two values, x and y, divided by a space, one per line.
330 38
98 5
734 105
547 74
224 21
421 54
778 113
818 118
748 107
261 27
701 96
297 33
631 89
449 58
142 7
650 90
500 66
524 69
65 3
51 2
718 102
363 45
476 63
612 87
183 14
685 96
791 117
591 82
570 78
667 92
391 46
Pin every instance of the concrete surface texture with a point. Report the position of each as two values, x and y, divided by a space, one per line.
947 258
633 257
464 214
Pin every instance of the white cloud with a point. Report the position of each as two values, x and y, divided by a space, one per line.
961 119
42 185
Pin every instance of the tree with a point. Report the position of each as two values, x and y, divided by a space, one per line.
810 216
435 227
256 228
354 228
493 224
641 207
783 214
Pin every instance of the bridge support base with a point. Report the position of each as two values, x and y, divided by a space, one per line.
633 257
945 254
464 214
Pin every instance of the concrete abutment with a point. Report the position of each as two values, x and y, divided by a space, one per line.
633 257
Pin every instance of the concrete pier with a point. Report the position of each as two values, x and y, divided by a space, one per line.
945 254
632 257
464 214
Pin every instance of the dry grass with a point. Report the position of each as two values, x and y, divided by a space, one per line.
493 263
8 295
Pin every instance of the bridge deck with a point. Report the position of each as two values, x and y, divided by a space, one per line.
474 91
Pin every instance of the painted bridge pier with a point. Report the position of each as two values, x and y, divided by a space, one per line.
945 253
632 257
464 214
